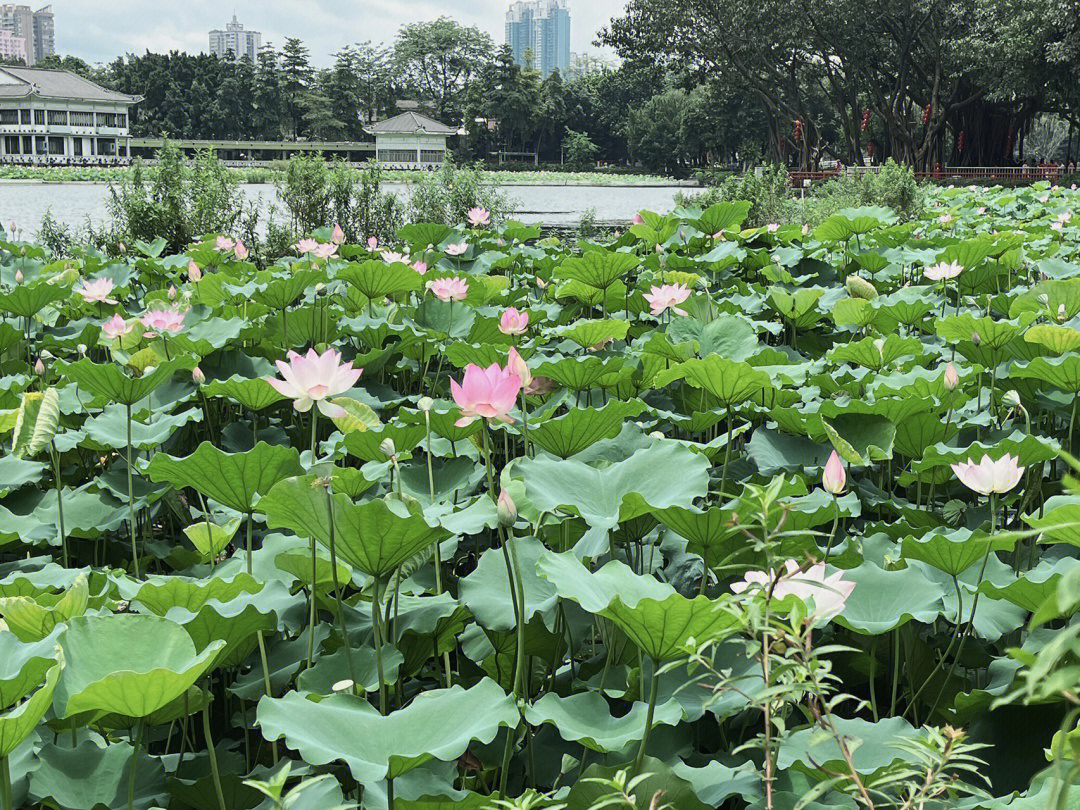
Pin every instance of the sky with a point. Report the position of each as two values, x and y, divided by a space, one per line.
100 31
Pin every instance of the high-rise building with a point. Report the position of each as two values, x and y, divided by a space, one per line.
35 28
236 41
538 32
11 46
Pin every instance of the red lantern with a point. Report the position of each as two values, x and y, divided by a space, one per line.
926 115
798 130
870 149
960 141
865 120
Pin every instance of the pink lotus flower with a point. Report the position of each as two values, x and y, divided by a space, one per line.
479 216
312 378
449 289
951 378
18 276
989 476
337 236
198 376
116 327
513 322
457 249
485 393
194 274
325 250
828 594
372 242
638 219
530 385
668 296
159 321
306 246
945 219
772 227
943 271
241 251
981 210
224 244
599 346
420 267
97 291
834 477
390 256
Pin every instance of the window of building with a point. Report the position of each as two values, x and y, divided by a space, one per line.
397 155
56 146
106 147
9 116
28 144
115 120
24 116
39 118
41 146
431 155
82 119
11 144
58 118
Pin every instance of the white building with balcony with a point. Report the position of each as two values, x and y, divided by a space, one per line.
53 116
411 141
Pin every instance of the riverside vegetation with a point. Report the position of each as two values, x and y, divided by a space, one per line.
437 515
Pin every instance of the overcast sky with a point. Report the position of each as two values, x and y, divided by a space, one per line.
99 30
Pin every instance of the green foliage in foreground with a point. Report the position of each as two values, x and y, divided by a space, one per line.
212 599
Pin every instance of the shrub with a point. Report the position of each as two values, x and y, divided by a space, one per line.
579 152
446 195
767 191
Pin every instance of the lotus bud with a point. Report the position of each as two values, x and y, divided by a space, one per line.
506 509
123 248
859 287
197 376
240 251
372 242
172 293
879 344
146 372
387 448
81 349
338 235
1044 299
834 477
13 228
343 686
1012 398
951 378
1061 312
975 338
39 368
425 404
194 274
18 277
657 434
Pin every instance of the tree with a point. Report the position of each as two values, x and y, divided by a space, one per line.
266 96
579 151
437 59
296 76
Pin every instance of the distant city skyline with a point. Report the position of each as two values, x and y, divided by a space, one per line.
99 32
30 33
235 41
538 32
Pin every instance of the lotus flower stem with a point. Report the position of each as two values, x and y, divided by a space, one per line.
655 688
5 784
314 560
136 743
438 553
131 498
337 589
214 772
376 629
59 500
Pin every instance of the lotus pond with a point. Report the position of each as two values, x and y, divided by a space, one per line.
702 516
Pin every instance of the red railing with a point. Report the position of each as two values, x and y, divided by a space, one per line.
1011 173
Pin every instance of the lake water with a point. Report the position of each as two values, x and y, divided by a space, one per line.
25 202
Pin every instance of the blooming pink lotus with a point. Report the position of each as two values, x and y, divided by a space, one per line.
479 216
306 246
224 244
159 321
828 594
116 327
457 249
945 219
989 476
668 296
834 477
313 378
391 256
420 267
530 385
449 289
943 271
325 250
773 227
97 291
337 236
513 322
485 393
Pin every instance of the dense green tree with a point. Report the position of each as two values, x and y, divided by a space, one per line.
296 76
436 60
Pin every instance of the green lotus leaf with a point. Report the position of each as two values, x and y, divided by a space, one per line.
993 333
334 668
231 479
954 550
651 613
569 434
282 292
729 381
578 373
872 745
108 430
93 775
377 279
1061 372
23 666
861 439
730 336
597 268
422 235
658 778
365 444
1059 520
161 594
798 308
919 431
590 333
486 591
36 422
874 354
1058 339
723 216
375 747
254 393
111 382
884 600
209 538
1027 448
16 724
234 623
374 537
32 618
586 718
28 299
127 664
